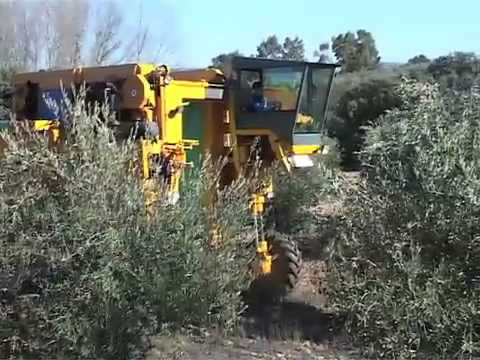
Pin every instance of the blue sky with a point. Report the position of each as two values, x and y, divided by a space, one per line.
200 29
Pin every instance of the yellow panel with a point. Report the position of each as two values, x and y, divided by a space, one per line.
51 79
136 93
306 149
210 75
42 125
47 79
177 94
145 69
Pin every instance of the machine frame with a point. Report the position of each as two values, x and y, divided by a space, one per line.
152 104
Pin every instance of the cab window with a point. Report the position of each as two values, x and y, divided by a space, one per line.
272 89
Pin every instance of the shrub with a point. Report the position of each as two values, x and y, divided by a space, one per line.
405 267
332 158
85 273
298 192
359 100
457 70
5 92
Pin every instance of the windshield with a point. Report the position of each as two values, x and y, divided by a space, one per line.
313 100
287 98
272 89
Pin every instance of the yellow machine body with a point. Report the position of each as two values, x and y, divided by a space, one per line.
145 95
163 106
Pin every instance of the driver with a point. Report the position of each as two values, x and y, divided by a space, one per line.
258 102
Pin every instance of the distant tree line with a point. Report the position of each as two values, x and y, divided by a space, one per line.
54 34
353 51
271 48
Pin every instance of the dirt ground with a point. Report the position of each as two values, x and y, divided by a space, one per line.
296 330
243 349
299 328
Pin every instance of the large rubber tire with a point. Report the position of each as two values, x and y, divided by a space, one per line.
287 261
286 270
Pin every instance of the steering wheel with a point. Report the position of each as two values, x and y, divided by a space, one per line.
277 106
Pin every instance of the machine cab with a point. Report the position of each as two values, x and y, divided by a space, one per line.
287 99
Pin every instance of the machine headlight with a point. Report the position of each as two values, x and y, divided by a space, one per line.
301 161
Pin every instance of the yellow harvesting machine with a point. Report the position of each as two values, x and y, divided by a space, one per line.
277 107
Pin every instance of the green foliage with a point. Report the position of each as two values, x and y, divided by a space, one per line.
355 51
324 46
6 75
360 97
323 53
457 71
332 159
418 59
291 49
85 273
405 267
417 72
270 48
358 102
302 189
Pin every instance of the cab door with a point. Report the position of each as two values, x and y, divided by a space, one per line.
194 129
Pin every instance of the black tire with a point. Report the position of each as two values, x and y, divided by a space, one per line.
287 262
286 269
